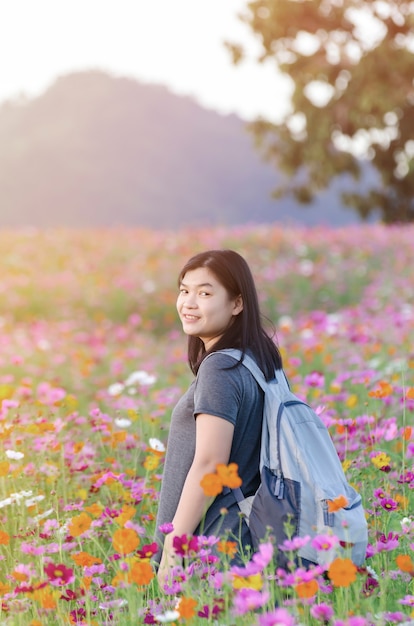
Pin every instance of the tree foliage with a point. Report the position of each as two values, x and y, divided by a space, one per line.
352 66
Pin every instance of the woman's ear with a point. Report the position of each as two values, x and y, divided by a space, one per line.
238 305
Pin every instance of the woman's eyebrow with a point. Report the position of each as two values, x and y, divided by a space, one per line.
199 285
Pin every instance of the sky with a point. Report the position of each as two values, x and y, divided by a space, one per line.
177 43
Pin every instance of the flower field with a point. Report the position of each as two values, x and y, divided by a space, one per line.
92 360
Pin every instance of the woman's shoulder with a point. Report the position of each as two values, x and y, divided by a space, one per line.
223 366
218 361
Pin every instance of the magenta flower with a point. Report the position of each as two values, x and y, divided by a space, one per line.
387 543
388 504
380 494
186 545
322 612
208 612
59 575
166 528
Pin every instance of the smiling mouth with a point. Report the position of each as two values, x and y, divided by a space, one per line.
190 317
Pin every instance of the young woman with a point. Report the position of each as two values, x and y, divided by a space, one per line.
219 418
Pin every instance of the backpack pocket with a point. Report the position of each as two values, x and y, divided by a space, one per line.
275 511
347 523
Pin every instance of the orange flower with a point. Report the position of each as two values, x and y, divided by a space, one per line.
307 589
20 576
4 588
94 509
45 598
228 475
126 514
4 538
141 573
86 582
408 431
211 485
125 540
336 504
383 390
405 563
342 572
186 607
410 393
151 462
79 524
85 559
227 547
4 468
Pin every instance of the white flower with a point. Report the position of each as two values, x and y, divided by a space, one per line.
41 516
33 500
114 604
285 322
15 497
306 267
12 454
168 616
140 377
122 422
156 444
116 389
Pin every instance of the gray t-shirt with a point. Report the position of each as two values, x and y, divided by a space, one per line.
231 393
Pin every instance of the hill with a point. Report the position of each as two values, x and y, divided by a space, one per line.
98 150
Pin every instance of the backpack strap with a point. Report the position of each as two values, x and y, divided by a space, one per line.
247 361
269 439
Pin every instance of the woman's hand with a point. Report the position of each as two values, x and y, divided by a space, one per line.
169 560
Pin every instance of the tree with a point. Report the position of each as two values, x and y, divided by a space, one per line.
352 66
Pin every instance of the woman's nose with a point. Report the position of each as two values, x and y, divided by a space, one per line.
190 301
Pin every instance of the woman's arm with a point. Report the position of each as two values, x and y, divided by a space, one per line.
214 437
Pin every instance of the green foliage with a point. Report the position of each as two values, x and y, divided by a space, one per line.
361 54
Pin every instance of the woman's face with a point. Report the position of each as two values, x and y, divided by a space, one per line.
204 306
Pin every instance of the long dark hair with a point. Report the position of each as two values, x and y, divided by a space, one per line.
246 332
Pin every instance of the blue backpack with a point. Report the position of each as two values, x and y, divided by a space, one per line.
300 474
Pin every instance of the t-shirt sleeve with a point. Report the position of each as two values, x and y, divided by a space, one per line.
219 388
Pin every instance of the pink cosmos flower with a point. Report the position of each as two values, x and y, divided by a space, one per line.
166 528
279 617
294 544
407 600
324 542
264 555
352 621
395 616
315 379
322 612
248 600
